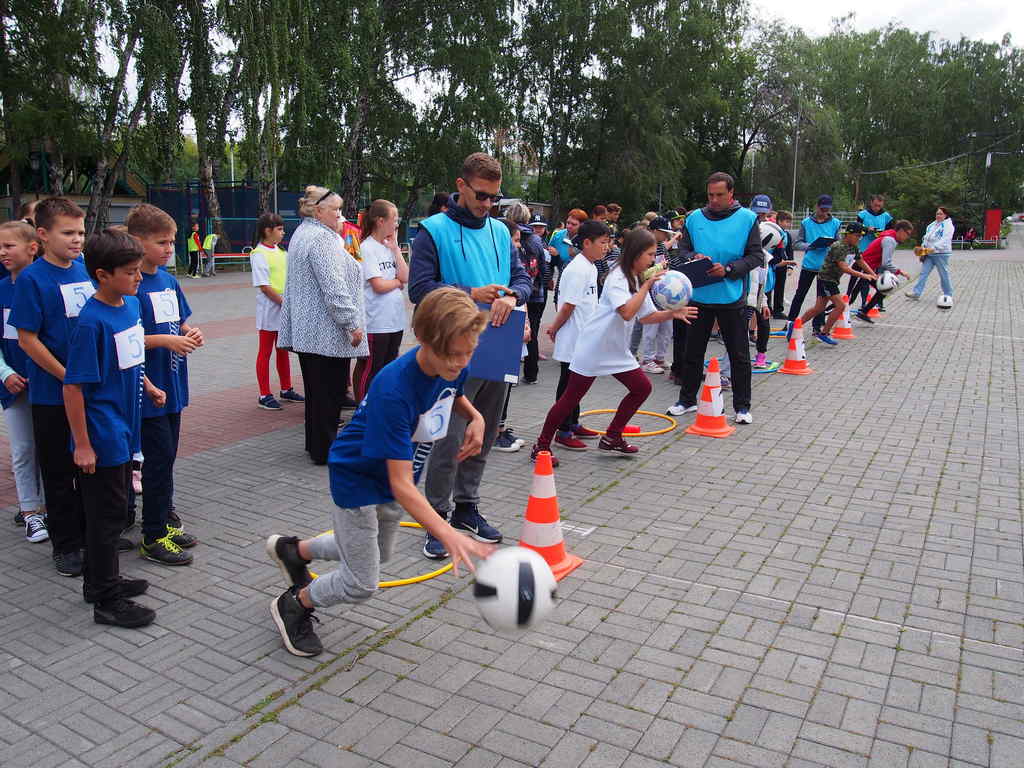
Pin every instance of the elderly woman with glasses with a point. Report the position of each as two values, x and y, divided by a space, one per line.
322 317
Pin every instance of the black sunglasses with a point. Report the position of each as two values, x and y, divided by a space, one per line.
323 197
481 196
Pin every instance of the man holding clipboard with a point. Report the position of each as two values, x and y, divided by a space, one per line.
464 247
721 244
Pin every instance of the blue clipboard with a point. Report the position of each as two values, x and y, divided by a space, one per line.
499 351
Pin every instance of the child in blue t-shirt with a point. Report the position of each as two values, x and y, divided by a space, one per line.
375 464
48 297
103 388
169 338
19 247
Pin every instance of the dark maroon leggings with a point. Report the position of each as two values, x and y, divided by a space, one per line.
635 381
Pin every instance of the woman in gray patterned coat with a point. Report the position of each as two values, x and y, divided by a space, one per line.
322 315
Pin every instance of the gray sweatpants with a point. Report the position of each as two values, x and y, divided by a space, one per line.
362 539
447 482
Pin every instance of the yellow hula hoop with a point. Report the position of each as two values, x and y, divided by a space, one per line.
672 423
412 579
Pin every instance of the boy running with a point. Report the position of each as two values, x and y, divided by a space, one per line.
833 266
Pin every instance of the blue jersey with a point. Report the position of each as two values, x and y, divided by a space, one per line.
400 418
164 308
14 355
813 230
47 301
107 359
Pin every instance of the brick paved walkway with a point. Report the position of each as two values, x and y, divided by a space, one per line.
840 584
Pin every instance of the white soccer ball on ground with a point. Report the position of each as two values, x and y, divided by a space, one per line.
514 589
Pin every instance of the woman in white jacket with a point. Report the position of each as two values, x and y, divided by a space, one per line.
938 237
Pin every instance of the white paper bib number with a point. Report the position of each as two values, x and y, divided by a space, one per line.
434 423
75 295
165 306
10 332
131 347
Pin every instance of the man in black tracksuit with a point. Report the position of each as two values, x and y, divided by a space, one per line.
727 234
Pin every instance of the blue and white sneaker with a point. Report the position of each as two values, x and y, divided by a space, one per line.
679 409
292 396
744 417
269 403
467 519
826 339
434 549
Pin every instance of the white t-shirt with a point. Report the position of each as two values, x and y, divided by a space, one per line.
577 286
603 345
385 312
268 314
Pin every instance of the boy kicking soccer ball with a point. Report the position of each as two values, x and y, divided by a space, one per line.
834 265
375 464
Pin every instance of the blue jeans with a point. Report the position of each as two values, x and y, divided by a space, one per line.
941 262
160 447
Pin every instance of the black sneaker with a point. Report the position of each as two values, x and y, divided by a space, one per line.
295 623
68 563
19 519
291 396
467 519
182 539
434 549
124 545
348 404
165 552
121 612
862 315
268 403
126 588
284 550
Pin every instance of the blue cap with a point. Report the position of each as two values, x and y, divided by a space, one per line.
761 204
824 201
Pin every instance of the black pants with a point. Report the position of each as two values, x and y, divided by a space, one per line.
104 497
678 347
384 348
57 466
534 311
732 322
326 383
502 425
160 448
763 328
779 291
563 381
193 262
876 301
807 278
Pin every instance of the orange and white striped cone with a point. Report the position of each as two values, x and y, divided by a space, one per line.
874 311
843 329
542 528
796 355
710 421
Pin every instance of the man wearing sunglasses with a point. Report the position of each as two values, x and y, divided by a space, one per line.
466 248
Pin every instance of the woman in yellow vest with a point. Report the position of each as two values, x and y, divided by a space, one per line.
269 271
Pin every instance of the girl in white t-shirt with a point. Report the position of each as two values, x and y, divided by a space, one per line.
269 265
603 345
385 273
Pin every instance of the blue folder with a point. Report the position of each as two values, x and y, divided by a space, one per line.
499 351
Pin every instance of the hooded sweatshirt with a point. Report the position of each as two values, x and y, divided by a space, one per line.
457 248
743 255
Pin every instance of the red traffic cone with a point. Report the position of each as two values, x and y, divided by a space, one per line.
710 421
843 329
542 528
796 357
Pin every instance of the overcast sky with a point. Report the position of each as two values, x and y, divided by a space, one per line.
985 20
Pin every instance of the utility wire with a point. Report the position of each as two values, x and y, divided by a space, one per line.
940 162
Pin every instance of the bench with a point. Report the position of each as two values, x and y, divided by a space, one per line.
978 243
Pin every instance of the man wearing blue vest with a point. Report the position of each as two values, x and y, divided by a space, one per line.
820 224
466 248
726 234
877 220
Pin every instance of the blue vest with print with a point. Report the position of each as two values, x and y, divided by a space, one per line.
877 221
722 241
471 257
813 230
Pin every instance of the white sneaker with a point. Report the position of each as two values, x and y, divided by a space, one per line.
35 528
652 367
679 409
744 417
911 295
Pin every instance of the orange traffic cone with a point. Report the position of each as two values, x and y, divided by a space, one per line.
542 529
873 312
710 420
796 357
843 329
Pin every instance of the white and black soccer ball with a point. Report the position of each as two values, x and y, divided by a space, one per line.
945 301
771 235
887 281
514 589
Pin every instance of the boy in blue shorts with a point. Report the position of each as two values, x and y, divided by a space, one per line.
375 464
47 300
103 388
169 339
